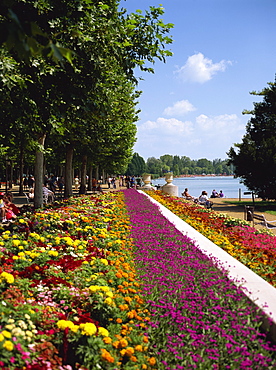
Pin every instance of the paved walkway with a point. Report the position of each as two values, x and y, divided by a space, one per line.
220 206
20 200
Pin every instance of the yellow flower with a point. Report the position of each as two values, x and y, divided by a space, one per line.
1 337
104 261
88 328
102 331
64 324
21 254
8 345
74 328
109 301
53 253
16 242
8 277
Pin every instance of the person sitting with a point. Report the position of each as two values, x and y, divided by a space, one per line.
214 194
204 200
31 195
2 209
10 209
221 195
186 195
48 194
9 201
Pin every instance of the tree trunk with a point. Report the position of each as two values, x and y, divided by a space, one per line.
21 167
38 173
68 180
83 175
90 175
11 175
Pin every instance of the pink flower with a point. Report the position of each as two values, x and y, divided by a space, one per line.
25 355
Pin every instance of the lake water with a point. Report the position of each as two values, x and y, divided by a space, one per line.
230 186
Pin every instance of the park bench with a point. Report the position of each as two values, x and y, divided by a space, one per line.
261 220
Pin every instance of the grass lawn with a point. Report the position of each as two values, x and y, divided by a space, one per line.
260 206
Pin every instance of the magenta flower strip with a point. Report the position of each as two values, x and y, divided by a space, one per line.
199 318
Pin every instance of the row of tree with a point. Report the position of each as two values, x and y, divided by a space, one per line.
178 165
67 86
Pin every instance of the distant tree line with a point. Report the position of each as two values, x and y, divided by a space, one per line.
178 165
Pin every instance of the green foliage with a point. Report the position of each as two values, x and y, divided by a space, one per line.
254 159
185 166
136 166
89 103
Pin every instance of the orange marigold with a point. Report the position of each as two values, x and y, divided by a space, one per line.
152 361
107 340
139 348
107 356
129 351
145 339
123 343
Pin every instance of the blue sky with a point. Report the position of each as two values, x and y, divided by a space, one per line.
192 105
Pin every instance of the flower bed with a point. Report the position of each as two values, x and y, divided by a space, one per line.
77 293
200 319
70 297
255 249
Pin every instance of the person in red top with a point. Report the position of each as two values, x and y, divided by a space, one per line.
11 210
2 208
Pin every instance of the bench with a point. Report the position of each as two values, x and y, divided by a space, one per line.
261 220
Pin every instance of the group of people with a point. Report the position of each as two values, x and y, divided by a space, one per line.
203 198
215 194
8 210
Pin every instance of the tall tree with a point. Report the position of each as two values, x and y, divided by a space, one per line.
254 159
137 166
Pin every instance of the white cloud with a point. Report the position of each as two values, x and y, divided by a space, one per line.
167 126
205 137
200 69
223 124
179 108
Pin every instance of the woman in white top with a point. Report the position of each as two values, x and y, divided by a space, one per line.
204 200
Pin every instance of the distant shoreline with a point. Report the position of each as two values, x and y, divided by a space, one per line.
180 176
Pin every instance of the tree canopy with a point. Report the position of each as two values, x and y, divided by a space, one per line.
68 67
254 159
